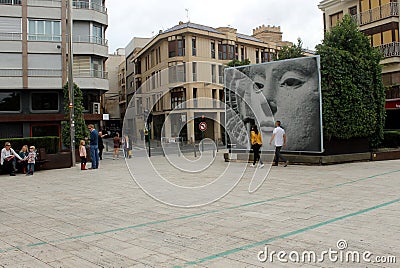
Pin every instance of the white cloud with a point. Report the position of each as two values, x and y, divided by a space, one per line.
297 18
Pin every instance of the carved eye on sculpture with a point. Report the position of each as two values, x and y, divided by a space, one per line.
292 80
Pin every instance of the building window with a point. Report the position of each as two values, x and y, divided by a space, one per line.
265 57
213 50
11 2
97 34
44 30
177 72
236 52
177 97
97 67
214 97
242 53
138 67
336 18
220 74
353 10
194 69
10 101
45 130
193 46
176 48
194 97
257 56
213 74
226 52
44 101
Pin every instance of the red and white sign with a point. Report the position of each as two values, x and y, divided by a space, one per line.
203 126
392 104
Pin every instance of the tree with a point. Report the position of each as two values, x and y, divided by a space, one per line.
234 63
81 131
353 94
289 52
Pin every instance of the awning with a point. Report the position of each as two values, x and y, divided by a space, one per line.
392 104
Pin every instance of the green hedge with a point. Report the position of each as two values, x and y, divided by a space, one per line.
51 144
391 139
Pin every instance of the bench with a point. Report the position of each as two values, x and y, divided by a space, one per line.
41 159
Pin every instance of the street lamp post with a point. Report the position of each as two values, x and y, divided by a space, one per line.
71 82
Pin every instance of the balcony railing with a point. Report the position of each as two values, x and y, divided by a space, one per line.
44 37
90 73
10 36
44 73
45 3
390 50
10 72
10 2
90 39
87 5
372 15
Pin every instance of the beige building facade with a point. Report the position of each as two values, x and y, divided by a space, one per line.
178 77
112 98
379 20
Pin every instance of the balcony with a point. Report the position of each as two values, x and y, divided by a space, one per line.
10 72
90 73
10 36
87 5
376 14
44 73
390 50
10 2
44 37
90 39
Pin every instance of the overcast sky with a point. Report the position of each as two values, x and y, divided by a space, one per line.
134 18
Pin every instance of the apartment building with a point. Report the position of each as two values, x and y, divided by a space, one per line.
115 65
378 19
177 76
34 67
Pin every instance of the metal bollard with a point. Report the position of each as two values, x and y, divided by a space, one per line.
194 149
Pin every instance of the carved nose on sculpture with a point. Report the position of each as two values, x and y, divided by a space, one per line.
268 106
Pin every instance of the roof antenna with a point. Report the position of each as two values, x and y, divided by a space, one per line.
187 14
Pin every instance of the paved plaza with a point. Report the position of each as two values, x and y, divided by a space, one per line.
102 218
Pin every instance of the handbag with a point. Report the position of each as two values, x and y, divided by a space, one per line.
10 157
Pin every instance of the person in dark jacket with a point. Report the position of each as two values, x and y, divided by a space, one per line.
101 144
94 146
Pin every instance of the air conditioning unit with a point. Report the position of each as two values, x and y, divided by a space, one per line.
96 108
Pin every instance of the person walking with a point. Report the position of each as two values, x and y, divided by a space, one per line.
82 154
8 160
256 144
94 146
101 144
31 160
279 136
117 143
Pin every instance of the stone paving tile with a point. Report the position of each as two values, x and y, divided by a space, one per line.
73 262
102 218
33 263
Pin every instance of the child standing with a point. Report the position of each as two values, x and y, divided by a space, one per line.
31 161
82 154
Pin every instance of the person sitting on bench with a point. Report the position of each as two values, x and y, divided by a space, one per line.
8 159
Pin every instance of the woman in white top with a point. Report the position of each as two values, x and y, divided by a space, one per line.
8 158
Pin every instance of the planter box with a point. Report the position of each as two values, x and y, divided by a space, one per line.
351 146
385 155
58 160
